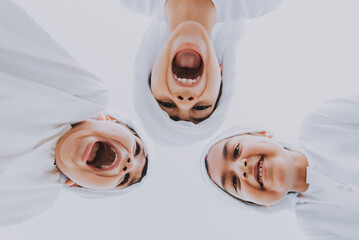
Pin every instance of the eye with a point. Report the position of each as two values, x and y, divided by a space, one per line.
235 183
138 149
175 118
236 151
201 108
125 179
167 104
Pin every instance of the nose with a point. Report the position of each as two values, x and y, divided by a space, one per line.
185 98
242 166
127 164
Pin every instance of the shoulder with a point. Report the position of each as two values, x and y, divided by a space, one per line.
145 7
339 111
329 139
29 185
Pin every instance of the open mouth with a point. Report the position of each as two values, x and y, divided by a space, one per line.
260 171
102 156
187 66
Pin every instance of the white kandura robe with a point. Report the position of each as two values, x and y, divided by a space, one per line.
42 91
329 209
226 33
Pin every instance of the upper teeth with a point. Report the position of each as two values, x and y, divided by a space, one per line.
260 171
185 80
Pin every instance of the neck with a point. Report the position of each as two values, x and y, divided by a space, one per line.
201 11
299 165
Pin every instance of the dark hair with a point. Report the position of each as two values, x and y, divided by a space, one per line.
219 96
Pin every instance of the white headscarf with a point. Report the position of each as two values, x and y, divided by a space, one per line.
92 193
43 91
155 120
286 203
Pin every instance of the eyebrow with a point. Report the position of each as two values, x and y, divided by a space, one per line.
176 118
225 150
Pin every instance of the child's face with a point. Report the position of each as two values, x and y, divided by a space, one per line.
250 167
186 76
101 154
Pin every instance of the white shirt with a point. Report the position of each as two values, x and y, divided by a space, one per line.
42 91
225 36
227 10
329 209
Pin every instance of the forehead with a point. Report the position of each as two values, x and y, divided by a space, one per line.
215 162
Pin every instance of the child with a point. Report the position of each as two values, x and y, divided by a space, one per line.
185 67
320 179
55 123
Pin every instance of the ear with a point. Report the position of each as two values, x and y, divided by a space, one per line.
267 134
70 183
221 68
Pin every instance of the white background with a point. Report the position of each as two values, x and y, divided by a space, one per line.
290 61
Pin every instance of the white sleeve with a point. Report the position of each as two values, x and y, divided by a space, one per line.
228 10
330 139
42 86
340 111
313 232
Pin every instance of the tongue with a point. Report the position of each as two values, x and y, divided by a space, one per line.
187 59
102 154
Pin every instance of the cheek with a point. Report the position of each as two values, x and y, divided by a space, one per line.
213 69
69 170
160 70
91 181
212 86
263 197
280 175
158 85
66 146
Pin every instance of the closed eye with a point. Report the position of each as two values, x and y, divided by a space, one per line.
201 108
138 149
175 118
236 151
166 104
125 179
235 183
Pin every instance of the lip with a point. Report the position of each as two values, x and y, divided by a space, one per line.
115 164
188 46
255 172
256 168
87 151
